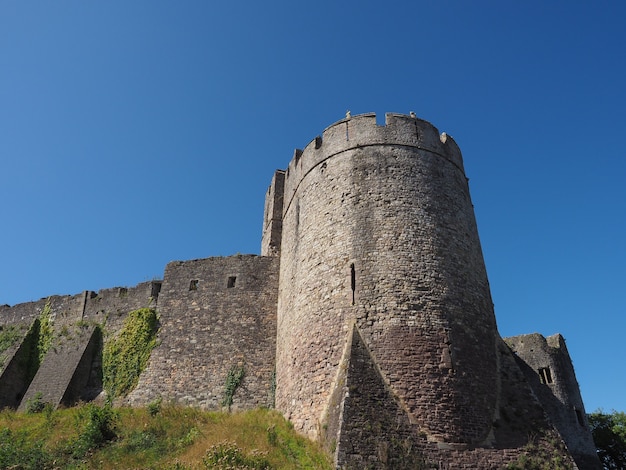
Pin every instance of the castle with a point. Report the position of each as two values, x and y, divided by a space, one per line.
367 319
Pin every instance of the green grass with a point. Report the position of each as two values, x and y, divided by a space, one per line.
159 437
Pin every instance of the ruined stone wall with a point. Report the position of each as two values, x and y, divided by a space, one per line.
378 229
273 216
549 371
369 428
18 365
214 314
14 377
102 307
65 372
373 429
23 313
109 307
62 308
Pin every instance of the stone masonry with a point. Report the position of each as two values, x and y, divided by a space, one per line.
215 313
367 320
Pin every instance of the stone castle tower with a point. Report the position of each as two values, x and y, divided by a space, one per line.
379 235
370 306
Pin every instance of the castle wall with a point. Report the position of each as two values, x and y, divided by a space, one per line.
214 314
549 371
368 313
14 377
378 229
273 216
61 307
105 306
22 314
109 307
368 428
374 431
19 366
65 369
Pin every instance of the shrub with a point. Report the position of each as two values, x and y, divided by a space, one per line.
17 452
154 407
227 456
233 380
609 435
99 428
35 404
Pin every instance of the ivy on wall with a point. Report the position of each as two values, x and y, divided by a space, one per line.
233 380
126 356
9 336
45 333
38 341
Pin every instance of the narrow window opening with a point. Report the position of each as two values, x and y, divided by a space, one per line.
352 281
231 281
155 289
297 215
193 284
545 376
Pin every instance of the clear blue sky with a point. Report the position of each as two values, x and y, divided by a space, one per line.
134 133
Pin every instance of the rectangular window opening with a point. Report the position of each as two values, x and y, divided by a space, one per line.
231 281
545 376
193 285
155 289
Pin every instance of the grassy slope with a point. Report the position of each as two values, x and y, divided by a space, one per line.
154 437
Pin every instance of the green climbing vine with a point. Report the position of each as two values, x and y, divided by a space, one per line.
9 336
126 356
233 380
45 332
37 341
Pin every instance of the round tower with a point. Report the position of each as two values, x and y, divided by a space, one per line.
378 232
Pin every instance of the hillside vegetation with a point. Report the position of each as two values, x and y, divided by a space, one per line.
158 436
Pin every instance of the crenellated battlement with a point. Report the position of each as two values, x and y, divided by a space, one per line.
361 131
